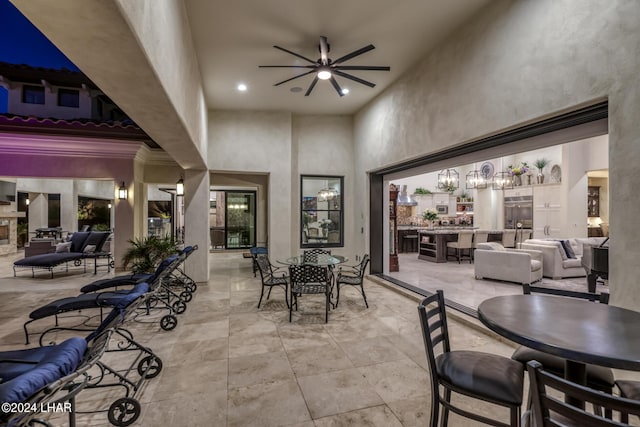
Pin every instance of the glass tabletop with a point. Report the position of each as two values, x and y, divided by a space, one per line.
320 260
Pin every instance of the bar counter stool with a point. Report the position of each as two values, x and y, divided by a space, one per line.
464 242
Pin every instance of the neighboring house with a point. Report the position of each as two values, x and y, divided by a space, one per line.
61 94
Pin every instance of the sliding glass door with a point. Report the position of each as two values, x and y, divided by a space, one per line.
240 219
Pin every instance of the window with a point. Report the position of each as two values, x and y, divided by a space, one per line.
68 98
321 211
33 94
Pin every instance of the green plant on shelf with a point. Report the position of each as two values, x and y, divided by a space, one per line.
430 214
421 190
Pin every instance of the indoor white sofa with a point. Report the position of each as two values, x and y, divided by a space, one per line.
494 261
557 264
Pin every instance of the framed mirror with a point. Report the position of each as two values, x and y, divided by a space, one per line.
321 214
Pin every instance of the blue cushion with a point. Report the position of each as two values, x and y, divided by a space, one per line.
53 362
78 240
123 280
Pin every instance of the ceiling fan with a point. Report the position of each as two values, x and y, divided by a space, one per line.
326 69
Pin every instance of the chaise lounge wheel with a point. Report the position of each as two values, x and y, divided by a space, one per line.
186 296
150 367
179 306
191 287
112 264
124 412
77 262
168 322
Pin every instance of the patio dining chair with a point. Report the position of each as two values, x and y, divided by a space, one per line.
487 377
271 276
548 393
352 275
308 279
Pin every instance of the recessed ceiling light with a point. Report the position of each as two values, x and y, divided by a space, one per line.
345 91
242 87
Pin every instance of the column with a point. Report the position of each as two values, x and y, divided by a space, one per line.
196 219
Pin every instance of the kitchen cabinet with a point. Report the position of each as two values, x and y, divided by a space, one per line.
548 211
593 201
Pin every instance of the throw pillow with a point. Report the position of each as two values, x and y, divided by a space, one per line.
63 247
563 253
491 246
568 249
89 249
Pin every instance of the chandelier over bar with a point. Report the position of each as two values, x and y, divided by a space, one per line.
475 180
448 180
502 181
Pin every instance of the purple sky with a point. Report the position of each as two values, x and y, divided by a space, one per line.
22 43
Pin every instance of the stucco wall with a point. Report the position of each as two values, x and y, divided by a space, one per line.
285 147
516 62
258 142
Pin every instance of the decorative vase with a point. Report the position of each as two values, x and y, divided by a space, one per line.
540 178
529 179
324 232
517 180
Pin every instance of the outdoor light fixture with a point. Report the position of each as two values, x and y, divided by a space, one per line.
448 180
180 187
26 201
502 181
122 192
109 205
476 180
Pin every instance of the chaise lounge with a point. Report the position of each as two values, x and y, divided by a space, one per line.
82 245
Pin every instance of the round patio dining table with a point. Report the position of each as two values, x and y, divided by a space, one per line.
580 331
320 260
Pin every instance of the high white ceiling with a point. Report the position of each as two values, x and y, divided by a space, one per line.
233 38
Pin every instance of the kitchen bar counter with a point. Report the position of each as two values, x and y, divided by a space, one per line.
432 243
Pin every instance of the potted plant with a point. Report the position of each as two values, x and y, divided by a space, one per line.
421 190
540 164
145 254
430 215
518 171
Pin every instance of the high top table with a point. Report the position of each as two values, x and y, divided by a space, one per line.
580 331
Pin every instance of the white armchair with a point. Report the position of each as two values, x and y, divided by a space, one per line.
493 261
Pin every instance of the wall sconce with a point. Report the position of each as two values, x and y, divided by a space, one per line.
180 187
122 192
109 205
26 201
475 180
448 180
502 181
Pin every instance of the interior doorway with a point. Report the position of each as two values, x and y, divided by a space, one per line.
232 219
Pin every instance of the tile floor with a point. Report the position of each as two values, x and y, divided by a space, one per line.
229 364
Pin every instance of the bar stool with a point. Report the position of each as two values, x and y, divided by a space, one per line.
479 236
410 243
509 238
465 238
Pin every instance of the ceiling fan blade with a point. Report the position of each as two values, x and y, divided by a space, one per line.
354 78
362 67
336 86
311 86
295 77
354 54
324 50
295 54
286 66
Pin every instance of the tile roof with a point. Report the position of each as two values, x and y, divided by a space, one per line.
126 129
58 77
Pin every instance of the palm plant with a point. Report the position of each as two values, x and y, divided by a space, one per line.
145 254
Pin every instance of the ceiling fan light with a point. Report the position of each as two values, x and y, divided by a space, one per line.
324 74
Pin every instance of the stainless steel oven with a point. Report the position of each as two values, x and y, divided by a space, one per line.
518 209
442 209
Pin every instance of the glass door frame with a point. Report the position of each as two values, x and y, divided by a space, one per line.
253 227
